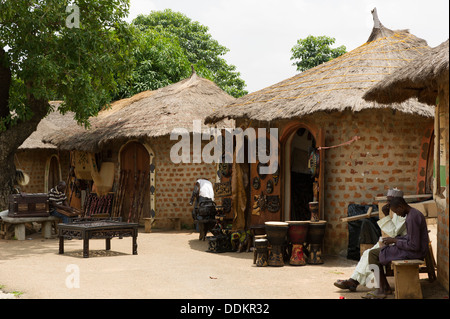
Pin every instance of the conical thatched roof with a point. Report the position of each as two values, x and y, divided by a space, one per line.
336 85
50 124
147 114
417 79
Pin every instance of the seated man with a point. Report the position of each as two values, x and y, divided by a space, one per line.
414 245
58 201
393 227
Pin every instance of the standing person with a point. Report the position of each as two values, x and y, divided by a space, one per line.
414 245
204 209
393 227
203 191
58 201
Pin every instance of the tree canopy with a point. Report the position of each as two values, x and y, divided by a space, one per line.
169 43
45 53
48 59
312 51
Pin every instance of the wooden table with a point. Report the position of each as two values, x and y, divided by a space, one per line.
104 229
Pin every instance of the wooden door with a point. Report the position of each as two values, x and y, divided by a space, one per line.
265 190
135 159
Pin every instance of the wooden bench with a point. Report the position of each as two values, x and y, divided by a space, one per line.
406 277
19 225
148 223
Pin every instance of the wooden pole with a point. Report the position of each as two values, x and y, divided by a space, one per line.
357 217
132 195
143 193
122 194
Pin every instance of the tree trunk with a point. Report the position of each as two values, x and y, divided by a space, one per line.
10 140
7 174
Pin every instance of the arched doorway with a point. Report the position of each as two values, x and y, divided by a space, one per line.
138 169
52 173
302 143
302 183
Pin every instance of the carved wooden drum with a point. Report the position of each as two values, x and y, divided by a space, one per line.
297 233
316 232
262 253
276 234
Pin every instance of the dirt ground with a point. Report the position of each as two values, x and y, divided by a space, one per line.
169 265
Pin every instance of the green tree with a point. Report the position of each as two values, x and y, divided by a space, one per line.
44 55
313 51
198 47
160 61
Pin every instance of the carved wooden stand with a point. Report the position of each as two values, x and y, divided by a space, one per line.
97 230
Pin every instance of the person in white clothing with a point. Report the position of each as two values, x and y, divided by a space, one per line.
204 210
206 189
203 190
393 227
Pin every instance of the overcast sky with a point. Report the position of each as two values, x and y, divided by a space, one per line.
261 33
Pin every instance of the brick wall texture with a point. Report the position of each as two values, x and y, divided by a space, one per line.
33 162
174 183
387 155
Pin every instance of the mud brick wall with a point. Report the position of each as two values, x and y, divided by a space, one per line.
175 183
33 162
387 155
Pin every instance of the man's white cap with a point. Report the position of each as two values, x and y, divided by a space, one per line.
394 192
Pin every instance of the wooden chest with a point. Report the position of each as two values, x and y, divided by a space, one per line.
28 205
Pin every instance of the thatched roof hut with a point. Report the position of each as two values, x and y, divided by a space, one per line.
417 79
336 85
147 114
52 123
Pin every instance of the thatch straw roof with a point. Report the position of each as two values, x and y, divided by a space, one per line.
147 114
52 123
336 85
417 79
